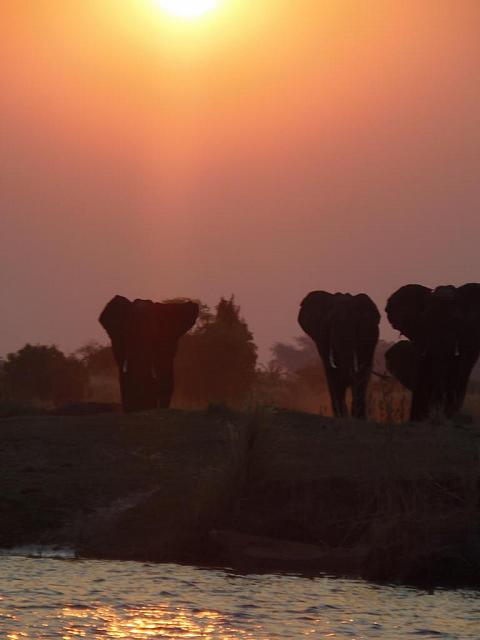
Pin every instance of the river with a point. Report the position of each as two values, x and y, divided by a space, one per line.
69 599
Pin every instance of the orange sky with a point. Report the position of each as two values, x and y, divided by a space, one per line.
274 147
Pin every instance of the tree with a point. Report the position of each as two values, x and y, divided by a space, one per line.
97 358
216 361
44 375
293 357
101 370
302 384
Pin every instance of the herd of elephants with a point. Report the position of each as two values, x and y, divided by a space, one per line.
442 345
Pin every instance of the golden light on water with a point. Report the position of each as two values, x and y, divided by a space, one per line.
188 9
145 623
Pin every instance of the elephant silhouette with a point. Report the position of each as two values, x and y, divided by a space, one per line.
443 330
345 330
144 336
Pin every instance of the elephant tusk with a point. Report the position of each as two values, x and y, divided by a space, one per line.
332 361
457 350
125 367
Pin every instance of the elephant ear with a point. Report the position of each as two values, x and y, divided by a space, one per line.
469 298
402 362
366 308
314 308
115 314
405 309
175 319
114 319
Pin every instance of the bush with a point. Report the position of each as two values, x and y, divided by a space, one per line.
43 375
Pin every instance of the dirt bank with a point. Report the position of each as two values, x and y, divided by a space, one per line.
271 490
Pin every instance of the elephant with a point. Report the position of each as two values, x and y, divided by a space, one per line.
442 327
345 330
144 336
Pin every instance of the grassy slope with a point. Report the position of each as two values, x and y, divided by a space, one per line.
151 486
403 492
116 485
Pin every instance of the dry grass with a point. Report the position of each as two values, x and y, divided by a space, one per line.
404 492
104 388
387 401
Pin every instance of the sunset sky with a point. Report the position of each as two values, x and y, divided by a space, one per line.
265 149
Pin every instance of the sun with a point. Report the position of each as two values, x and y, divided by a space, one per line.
188 9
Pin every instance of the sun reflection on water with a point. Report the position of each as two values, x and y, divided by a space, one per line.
145 623
48 600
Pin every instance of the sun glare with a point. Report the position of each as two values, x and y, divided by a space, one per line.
188 9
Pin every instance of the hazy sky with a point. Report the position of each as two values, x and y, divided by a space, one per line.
275 147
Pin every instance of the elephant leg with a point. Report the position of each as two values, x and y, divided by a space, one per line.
164 382
403 361
456 390
128 390
421 401
459 383
137 392
164 393
365 353
337 389
124 392
359 395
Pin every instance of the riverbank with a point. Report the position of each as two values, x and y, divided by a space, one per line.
263 491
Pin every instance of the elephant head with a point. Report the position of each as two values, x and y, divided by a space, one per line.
443 326
340 324
345 329
144 338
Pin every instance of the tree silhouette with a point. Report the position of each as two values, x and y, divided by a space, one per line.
293 357
216 362
97 358
44 375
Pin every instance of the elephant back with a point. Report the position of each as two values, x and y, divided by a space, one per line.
365 309
319 309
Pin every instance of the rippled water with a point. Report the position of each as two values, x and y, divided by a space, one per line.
69 599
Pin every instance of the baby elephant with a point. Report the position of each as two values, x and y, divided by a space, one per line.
345 329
